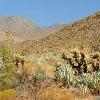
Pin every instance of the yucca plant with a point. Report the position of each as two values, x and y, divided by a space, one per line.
88 81
80 83
64 74
93 81
82 88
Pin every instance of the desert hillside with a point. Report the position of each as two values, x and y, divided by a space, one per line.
23 29
53 67
83 34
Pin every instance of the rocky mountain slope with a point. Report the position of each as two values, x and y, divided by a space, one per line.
83 34
23 29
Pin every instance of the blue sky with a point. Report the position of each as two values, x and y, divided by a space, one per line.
48 12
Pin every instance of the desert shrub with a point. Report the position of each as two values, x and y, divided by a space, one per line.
25 52
7 59
5 54
64 74
7 78
8 94
7 81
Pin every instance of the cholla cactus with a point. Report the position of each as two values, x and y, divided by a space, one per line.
19 60
82 62
77 60
96 61
96 55
75 50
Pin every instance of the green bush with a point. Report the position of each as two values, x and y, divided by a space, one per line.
6 54
6 81
7 77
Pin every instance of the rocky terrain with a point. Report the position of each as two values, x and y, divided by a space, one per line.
82 34
61 62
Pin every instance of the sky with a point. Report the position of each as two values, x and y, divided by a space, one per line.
49 12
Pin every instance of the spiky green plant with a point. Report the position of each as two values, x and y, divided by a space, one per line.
89 81
64 74
93 81
80 83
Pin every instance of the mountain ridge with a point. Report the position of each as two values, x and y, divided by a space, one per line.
25 29
84 33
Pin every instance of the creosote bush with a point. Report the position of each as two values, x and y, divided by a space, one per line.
7 78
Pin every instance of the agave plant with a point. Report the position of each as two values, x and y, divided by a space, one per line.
64 74
80 83
88 81
93 81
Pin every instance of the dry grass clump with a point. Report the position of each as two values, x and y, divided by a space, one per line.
55 93
8 95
